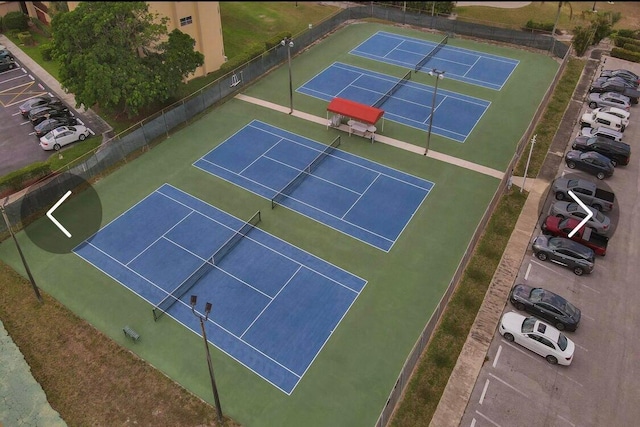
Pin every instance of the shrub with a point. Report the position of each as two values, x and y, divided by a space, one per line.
632 47
46 50
539 26
16 21
18 179
26 38
630 34
620 41
625 54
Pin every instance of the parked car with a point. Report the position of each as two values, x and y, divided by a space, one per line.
609 99
6 65
546 305
590 162
615 79
39 114
623 114
586 191
38 101
5 55
609 85
48 125
560 250
62 136
625 74
618 152
603 132
595 119
599 221
562 227
537 336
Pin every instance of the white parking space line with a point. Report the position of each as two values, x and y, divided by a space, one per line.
590 288
548 268
488 419
473 422
566 420
526 275
509 385
587 317
484 391
495 361
570 379
581 347
31 77
12 78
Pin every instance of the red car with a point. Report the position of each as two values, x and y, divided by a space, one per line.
586 236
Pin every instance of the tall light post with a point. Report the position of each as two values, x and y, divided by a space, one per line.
439 76
24 260
207 310
289 44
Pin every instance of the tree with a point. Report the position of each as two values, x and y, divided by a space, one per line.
118 55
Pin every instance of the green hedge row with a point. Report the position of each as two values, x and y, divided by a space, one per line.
621 41
632 47
539 26
16 180
625 54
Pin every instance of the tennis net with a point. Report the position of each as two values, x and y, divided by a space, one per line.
205 268
430 55
393 90
293 184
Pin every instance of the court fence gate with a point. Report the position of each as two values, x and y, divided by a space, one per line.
151 131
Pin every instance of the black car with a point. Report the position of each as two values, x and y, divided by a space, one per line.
5 55
38 101
48 125
618 152
590 162
608 85
624 74
546 305
6 65
39 114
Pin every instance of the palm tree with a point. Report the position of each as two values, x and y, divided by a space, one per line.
555 24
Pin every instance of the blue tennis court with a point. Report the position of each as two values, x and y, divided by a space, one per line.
364 199
477 68
274 306
457 114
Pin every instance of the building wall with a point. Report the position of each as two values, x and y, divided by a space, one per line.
199 19
9 6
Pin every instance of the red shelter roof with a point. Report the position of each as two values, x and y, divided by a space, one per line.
355 110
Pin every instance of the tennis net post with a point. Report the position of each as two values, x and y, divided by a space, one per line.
208 265
393 90
293 184
430 55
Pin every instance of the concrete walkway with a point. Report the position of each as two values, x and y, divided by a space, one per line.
22 400
379 138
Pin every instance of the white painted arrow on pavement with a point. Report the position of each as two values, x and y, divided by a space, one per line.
55 221
586 209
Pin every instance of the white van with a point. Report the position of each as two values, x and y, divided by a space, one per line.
595 119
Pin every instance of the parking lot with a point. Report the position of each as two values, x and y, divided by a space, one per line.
517 387
19 145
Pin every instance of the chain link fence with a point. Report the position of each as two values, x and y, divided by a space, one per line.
144 135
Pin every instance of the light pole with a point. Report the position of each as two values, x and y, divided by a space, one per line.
207 310
24 260
289 44
439 76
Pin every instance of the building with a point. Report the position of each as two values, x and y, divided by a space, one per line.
199 19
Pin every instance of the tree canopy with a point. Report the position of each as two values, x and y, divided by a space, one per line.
120 56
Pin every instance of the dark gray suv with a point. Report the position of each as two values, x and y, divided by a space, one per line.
560 250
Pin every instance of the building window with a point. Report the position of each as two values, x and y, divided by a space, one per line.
185 21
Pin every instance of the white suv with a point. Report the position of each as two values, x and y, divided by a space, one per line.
623 114
603 132
595 119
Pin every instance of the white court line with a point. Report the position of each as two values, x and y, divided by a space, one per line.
488 419
484 391
509 385
495 361
566 420
526 275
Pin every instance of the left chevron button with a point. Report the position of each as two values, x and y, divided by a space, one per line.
55 221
